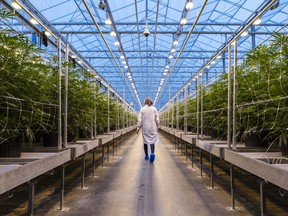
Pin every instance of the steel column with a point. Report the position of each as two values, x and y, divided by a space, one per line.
59 96
83 171
177 113
201 162
66 96
108 110
62 187
185 108
234 96
232 185
229 99
212 170
263 196
198 106
31 196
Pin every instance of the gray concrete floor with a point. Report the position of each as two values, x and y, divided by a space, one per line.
130 186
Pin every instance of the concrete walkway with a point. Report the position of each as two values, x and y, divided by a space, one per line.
130 186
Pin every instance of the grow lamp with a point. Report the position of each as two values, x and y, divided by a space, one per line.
34 21
257 21
16 5
47 33
113 33
108 21
245 33
116 43
183 21
175 43
189 5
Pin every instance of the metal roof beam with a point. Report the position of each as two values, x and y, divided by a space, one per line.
161 32
163 24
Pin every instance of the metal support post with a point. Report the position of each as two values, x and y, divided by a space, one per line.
103 150
229 99
59 96
232 185
198 107
66 96
94 161
234 96
192 155
186 150
212 170
201 162
177 113
95 111
31 196
108 110
83 171
113 145
263 196
108 150
62 187
185 109
202 105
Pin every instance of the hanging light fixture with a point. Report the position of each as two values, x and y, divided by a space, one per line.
47 33
218 57
213 62
113 33
189 5
122 56
126 66
257 21
107 20
116 43
167 66
183 21
170 56
34 21
175 43
124 62
245 33
173 50
146 33
166 70
16 5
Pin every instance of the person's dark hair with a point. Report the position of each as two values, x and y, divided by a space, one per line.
148 101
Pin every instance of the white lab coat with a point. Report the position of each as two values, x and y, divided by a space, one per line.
148 120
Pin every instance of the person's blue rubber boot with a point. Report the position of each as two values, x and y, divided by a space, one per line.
152 157
146 157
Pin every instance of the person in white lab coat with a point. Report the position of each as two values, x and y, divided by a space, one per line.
148 120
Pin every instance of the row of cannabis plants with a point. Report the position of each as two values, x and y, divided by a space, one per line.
29 96
262 98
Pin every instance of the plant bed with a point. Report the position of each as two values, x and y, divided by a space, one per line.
50 139
11 148
86 134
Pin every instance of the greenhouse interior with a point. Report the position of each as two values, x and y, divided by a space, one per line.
144 108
